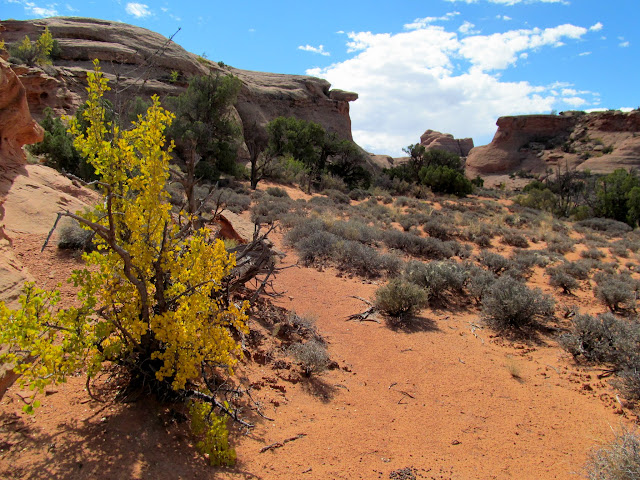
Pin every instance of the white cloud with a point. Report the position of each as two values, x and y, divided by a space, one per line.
138 10
574 101
467 28
624 44
319 49
500 50
596 27
429 77
503 17
584 54
39 11
425 21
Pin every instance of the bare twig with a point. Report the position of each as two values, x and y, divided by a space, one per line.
275 445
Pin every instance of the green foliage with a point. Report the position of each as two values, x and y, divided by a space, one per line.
58 149
444 179
35 53
618 196
204 130
212 435
309 144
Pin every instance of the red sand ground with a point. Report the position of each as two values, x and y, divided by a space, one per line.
448 399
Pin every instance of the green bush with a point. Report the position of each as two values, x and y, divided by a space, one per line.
511 305
277 192
400 299
442 179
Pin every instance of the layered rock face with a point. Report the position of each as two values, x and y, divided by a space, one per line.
599 141
433 140
141 62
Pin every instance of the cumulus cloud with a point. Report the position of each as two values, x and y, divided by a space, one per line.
319 49
32 8
429 77
138 10
596 27
468 28
423 22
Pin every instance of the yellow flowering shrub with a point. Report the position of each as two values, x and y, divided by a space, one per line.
153 293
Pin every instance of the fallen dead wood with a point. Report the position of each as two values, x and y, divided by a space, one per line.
273 446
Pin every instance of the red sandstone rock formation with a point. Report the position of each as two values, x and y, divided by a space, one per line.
140 62
433 140
599 141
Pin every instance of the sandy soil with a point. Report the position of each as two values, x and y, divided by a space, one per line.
443 399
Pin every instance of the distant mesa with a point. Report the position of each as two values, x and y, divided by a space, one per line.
598 141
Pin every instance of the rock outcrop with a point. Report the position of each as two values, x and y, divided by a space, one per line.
433 140
17 128
141 62
599 141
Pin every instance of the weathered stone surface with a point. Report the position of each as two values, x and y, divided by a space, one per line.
139 62
433 140
17 128
599 141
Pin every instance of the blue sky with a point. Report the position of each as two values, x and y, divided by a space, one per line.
448 65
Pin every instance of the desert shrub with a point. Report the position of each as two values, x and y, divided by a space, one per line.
312 355
515 240
494 262
511 305
602 339
617 292
558 277
39 52
233 201
337 196
530 258
559 243
277 192
619 249
407 221
609 226
358 258
317 246
479 283
400 299
354 230
482 240
430 248
579 269
437 227
72 236
618 460
629 377
270 208
403 201
439 279
358 194
592 253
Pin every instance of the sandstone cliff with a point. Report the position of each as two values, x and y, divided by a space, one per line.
140 62
599 141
